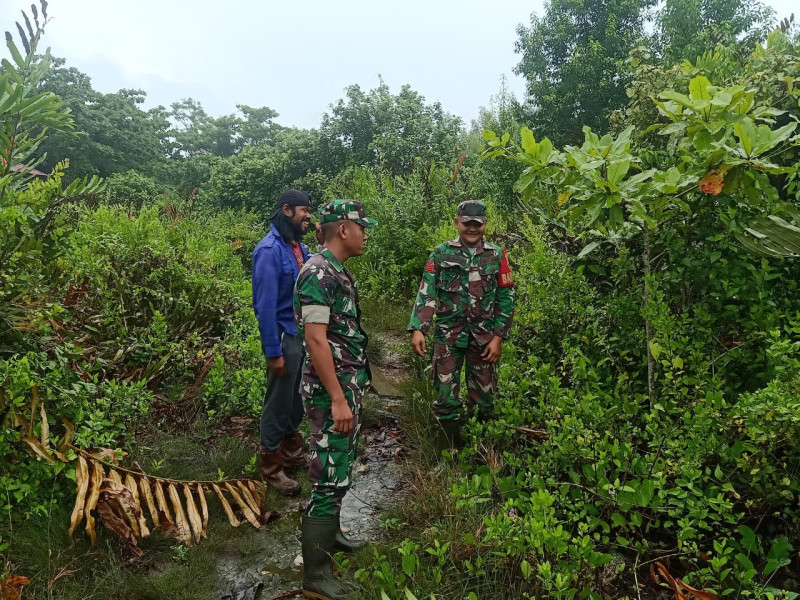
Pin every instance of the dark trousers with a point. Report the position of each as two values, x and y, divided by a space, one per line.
283 407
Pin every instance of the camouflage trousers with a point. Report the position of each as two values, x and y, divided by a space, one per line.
332 454
481 377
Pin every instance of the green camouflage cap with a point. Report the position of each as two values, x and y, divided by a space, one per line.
345 210
472 210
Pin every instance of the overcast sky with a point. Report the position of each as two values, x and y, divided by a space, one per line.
293 56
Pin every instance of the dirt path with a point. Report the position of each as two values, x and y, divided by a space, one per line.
268 562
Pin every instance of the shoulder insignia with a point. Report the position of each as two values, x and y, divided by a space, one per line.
504 277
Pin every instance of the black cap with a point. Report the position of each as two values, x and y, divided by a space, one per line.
291 197
471 210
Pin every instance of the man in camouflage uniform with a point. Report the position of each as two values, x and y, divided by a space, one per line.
335 376
467 285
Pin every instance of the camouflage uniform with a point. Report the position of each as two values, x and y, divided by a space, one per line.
472 297
326 293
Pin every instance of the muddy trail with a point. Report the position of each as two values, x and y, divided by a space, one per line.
268 562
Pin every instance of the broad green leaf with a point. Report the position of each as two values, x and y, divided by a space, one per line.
722 98
545 149
702 141
617 171
640 177
777 137
655 349
698 88
681 99
591 165
615 216
672 176
587 249
745 131
15 54
529 142
525 567
673 128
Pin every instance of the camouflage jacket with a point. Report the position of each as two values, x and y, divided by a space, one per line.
470 294
325 292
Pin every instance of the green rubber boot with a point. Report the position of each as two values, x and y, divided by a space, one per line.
345 543
451 428
318 536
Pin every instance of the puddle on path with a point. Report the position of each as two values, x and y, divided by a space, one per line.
264 564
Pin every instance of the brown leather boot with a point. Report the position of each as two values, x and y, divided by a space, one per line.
292 449
273 475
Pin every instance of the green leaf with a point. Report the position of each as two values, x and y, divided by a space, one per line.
702 141
673 128
698 88
655 349
745 131
749 541
529 142
722 98
681 99
15 54
617 171
525 567
545 149
615 216
489 135
587 249
778 136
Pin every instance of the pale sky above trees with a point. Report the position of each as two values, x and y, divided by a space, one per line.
295 57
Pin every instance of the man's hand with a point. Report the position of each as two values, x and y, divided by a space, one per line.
418 342
277 366
491 353
342 415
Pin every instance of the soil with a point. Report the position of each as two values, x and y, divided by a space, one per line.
272 564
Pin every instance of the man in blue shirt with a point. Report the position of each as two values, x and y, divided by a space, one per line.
277 260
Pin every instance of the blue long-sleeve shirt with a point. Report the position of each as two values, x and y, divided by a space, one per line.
274 273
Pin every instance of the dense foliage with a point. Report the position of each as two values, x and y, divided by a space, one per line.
654 342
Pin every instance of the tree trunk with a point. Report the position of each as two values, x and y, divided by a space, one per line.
648 327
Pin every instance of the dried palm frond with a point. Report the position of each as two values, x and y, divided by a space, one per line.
124 498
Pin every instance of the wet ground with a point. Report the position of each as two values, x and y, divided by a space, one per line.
267 562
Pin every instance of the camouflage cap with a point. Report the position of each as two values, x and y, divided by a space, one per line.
345 210
472 210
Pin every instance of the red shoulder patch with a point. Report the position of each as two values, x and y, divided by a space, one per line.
504 277
429 267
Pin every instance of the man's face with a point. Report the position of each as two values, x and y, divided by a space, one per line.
471 232
300 216
355 239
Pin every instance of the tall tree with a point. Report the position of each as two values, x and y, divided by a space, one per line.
199 134
255 177
393 131
114 133
687 28
572 58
